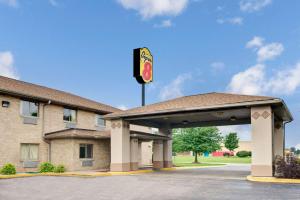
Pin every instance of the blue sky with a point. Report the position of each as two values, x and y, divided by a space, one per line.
85 47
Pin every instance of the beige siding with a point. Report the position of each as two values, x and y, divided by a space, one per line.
147 152
86 120
62 152
54 119
13 132
66 152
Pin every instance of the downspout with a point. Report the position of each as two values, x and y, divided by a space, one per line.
44 132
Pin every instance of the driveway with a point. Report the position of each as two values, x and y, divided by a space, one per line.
226 182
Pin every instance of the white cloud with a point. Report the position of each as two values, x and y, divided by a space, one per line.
174 89
269 51
265 51
285 81
151 8
297 146
233 21
122 107
253 81
253 5
164 24
248 81
243 131
53 3
256 42
6 65
11 3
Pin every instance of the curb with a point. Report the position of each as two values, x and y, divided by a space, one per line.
80 175
16 176
273 180
101 174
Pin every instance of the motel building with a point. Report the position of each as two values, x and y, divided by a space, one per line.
39 124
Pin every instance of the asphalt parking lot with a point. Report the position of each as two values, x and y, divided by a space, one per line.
214 183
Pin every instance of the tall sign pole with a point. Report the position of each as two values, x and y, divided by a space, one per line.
143 95
143 68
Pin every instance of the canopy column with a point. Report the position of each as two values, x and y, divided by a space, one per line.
120 146
262 143
140 154
279 138
167 147
134 154
158 154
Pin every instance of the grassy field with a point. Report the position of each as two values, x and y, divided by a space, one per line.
208 161
197 164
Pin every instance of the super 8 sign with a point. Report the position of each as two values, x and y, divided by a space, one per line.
143 65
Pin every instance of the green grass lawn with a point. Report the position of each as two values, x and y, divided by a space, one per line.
208 161
197 164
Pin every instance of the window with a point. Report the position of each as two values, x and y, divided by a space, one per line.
86 151
5 104
100 121
29 109
69 115
29 152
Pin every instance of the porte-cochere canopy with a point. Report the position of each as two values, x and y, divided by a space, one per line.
202 110
267 116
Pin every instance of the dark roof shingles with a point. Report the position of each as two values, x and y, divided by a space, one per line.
194 101
8 85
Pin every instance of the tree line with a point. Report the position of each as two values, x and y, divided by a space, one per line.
201 140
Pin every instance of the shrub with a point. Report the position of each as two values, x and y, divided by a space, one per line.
59 169
8 169
226 154
287 169
46 167
243 154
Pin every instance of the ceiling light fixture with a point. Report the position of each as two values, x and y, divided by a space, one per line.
233 118
185 122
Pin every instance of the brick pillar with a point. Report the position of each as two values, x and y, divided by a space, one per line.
134 154
120 146
262 142
158 154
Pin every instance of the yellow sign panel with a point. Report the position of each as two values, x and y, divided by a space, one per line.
143 65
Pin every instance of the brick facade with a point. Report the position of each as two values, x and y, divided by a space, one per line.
14 132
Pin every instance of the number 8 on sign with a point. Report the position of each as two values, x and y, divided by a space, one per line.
143 65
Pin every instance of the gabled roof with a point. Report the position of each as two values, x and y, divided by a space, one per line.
196 102
41 93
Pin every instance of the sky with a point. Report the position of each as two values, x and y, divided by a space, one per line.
199 46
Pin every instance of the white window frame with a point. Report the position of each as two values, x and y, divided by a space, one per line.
28 116
92 151
98 125
76 115
30 144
